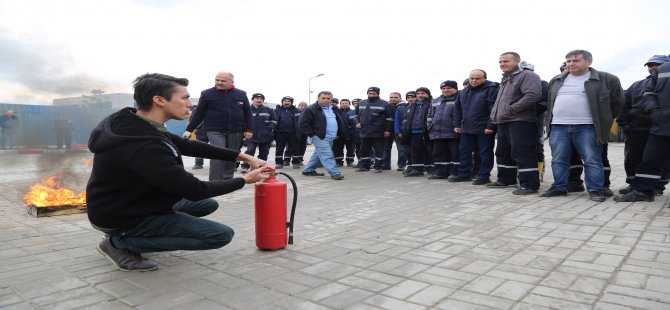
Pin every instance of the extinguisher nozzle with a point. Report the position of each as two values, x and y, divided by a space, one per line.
290 239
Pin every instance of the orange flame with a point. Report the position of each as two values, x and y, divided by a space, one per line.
49 193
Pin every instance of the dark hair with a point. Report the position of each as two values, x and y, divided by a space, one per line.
345 99
154 84
325 92
516 56
480 70
586 54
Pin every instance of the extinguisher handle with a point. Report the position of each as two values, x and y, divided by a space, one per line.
268 169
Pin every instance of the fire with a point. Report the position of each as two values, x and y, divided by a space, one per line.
49 193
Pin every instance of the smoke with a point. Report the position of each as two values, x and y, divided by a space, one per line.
44 71
72 168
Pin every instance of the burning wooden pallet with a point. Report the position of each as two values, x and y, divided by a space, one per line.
54 210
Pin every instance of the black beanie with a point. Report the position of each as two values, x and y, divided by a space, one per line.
449 83
374 89
287 97
410 93
257 95
424 89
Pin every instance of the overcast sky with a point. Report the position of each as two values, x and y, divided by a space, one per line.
53 49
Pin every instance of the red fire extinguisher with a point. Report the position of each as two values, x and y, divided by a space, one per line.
270 208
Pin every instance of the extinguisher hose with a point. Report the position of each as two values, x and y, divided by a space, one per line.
295 201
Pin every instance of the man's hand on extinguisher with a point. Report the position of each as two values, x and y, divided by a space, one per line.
253 162
255 175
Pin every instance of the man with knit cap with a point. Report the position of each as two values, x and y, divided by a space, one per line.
514 114
287 134
414 130
636 125
374 118
440 126
399 121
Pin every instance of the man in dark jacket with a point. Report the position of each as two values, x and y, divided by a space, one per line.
344 142
9 124
399 122
265 123
139 193
286 134
414 130
516 120
375 120
636 125
395 100
656 102
472 120
581 108
322 124
226 114
440 126
63 129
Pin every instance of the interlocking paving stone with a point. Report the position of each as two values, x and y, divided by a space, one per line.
368 242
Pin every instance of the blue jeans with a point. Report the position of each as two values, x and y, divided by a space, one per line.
323 152
585 141
182 230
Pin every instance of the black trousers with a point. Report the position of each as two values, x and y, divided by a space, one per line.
287 140
367 147
649 172
338 150
517 153
446 157
420 152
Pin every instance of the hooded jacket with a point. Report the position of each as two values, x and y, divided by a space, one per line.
138 171
518 94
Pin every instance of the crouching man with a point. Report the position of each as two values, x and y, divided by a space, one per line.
139 194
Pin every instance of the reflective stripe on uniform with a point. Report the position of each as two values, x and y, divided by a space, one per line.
648 176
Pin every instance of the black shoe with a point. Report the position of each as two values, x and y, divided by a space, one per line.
524 191
125 260
196 167
626 190
312 173
658 192
455 178
414 173
387 168
597 196
497 184
608 192
633 196
401 168
481 182
287 163
378 171
553 192
337 177
362 170
575 188
436 177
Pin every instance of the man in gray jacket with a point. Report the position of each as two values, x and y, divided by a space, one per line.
514 113
581 107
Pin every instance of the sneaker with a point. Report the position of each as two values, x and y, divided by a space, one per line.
196 167
296 166
497 184
337 177
414 173
633 196
575 188
312 173
125 260
436 177
524 191
607 192
597 196
378 171
553 192
626 190
401 168
362 170
480 181
455 178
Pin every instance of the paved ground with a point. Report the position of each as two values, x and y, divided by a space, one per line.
369 242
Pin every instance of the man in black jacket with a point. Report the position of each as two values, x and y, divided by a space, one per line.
139 194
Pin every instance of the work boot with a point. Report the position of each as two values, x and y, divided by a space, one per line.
125 260
400 168
553 192
597 196
480 181
456 178
524 191
633 196
498 184
626 190
575 187
312 173
608 192
414 173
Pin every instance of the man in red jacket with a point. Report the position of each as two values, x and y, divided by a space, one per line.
139 194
